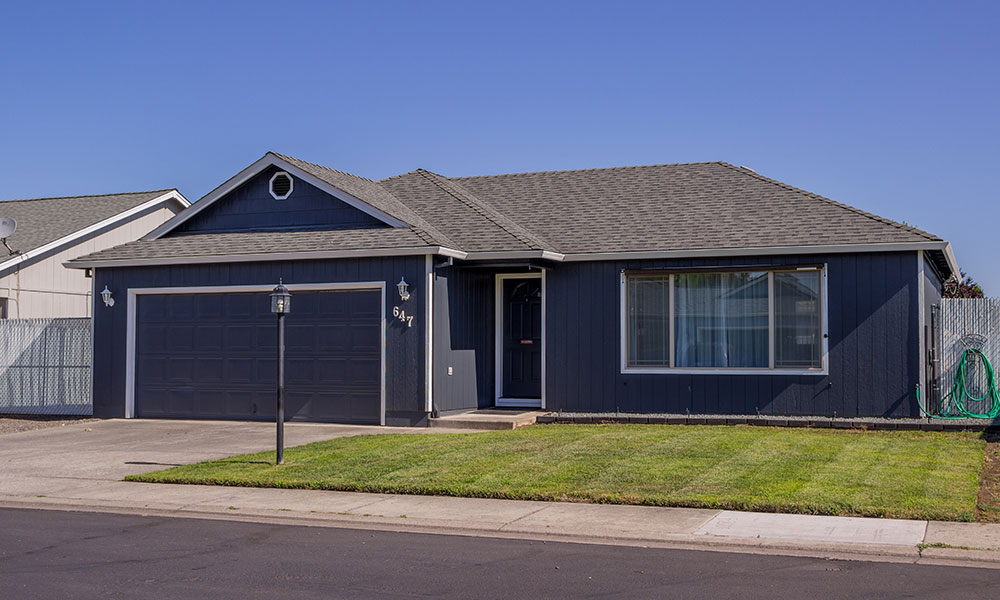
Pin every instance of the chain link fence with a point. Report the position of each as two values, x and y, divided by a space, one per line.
962 324
45 367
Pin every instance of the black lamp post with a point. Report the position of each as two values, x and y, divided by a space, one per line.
281 305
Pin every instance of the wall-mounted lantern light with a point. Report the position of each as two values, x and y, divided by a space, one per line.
106 296
404 295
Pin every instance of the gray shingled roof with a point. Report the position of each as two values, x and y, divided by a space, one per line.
677 207
696 206
44 220
261 242
472 224
375 195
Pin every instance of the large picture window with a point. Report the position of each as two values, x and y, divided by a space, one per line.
742 320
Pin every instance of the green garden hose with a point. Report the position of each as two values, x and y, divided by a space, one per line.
955 403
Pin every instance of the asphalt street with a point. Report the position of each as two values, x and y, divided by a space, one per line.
50 554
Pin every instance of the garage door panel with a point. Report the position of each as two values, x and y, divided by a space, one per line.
180 337
179 368
208 306
242 405
364 372
209 370
239 336
210 403
240 370
152 309
179 307
210 338
300 337
241 306
214 356
180 401
300 371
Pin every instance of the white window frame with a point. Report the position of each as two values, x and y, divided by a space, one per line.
770 370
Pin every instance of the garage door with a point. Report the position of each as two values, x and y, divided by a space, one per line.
212 356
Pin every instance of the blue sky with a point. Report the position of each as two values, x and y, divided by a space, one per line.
888 106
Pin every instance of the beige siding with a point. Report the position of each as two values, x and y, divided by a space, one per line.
47 289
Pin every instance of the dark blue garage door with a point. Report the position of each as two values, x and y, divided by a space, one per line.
212 356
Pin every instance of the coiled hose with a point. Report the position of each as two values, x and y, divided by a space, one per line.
955 404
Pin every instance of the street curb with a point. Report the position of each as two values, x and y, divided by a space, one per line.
830 551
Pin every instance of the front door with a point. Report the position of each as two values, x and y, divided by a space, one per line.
522 341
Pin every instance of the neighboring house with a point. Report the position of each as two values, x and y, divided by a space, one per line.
701 288
50 231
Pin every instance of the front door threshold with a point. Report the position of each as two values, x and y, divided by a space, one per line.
519 402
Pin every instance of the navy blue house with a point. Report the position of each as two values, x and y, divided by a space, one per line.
701 288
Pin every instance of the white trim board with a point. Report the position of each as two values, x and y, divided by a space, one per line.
429 333
516 254
109 222
498 398
248 173
132 302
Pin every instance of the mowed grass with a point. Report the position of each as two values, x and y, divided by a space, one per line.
918 475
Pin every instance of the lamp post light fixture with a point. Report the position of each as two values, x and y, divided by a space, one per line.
403 288
106 296
281 305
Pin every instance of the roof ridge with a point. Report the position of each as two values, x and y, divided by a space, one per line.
848 207
292 158
88 196
486 210
619 168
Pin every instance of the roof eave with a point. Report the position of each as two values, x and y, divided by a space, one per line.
265 257
768 250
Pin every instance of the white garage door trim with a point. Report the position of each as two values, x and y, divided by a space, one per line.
134 293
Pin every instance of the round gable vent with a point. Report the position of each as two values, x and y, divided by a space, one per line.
281 185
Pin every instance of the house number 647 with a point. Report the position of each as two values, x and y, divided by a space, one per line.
400 313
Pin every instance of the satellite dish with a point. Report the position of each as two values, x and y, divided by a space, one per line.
7 227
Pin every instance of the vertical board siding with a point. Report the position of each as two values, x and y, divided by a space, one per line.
250 207
873 359
404 361
464 305
932 297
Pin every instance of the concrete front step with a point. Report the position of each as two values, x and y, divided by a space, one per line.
488 419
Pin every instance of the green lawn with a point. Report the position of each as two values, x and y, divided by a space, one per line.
886 474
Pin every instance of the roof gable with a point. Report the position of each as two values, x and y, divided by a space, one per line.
251 207
358 192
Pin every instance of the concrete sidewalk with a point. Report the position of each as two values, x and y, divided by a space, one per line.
80 468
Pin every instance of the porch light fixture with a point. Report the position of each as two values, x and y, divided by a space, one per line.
106 296
402 286
281 305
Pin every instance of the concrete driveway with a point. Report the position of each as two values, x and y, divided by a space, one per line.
58 459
